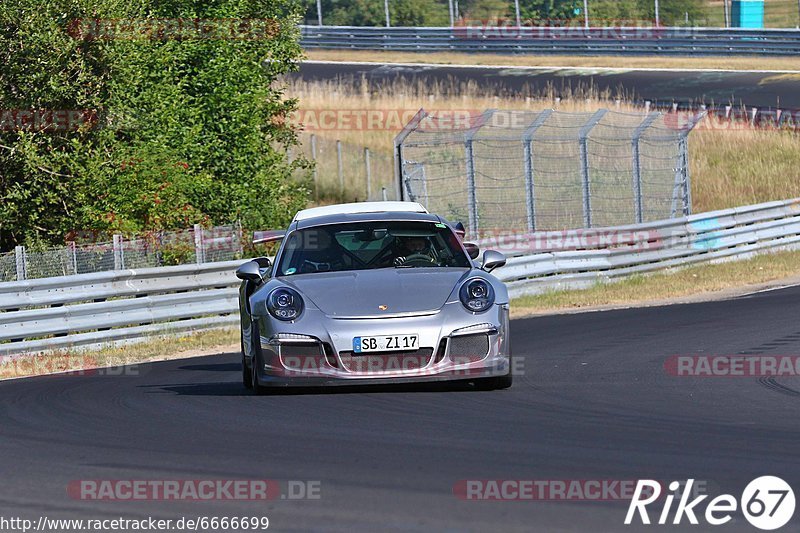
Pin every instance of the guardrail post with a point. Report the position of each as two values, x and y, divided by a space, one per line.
119 252
199 249
637 165
19 255
530 194
369 173
587 190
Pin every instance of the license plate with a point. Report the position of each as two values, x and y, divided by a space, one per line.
385 343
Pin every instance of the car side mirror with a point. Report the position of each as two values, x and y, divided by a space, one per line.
250 271
472 249
492 260
460 231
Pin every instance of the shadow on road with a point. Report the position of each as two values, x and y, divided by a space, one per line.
215 367
235 388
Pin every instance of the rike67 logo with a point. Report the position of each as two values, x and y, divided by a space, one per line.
767 503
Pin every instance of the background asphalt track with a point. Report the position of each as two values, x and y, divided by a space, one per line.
753 89
594 403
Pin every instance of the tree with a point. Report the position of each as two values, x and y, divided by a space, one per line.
178 129
487 9
372 12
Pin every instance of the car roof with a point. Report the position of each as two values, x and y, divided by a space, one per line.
404 216
360 207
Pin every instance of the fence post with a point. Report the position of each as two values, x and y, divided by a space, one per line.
119 253
314 158
369 173
398 152
339 161
199 250
472 197
472 193
240 236
74 249
527 138
637 165
683 186
587 190
19 254
687 189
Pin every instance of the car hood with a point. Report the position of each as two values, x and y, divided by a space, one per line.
361 293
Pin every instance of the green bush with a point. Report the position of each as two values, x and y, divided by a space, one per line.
181 130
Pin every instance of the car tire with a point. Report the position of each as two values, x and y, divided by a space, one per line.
247 373
255 386
504 382
499 382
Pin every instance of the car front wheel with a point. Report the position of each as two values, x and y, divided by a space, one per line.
247 374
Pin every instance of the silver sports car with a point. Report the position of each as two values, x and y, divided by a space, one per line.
377 292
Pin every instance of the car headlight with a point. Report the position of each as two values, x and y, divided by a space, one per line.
285 304
477 295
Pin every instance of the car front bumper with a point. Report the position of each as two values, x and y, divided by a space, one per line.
318 351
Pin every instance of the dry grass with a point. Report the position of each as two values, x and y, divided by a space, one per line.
188 345
777 13
699 280
729 167
732 168
455 58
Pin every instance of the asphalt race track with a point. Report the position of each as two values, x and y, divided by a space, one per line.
753 89
594 403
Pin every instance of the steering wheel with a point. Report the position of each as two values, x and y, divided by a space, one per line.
418 260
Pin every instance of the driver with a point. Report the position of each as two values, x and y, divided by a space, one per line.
321 253
412 246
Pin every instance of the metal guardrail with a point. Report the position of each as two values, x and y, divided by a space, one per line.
558 40
586 257
91 310
88 310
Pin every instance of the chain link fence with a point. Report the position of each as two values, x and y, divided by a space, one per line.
83 255
346 171
548 170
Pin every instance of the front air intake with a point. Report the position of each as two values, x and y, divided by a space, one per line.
469 348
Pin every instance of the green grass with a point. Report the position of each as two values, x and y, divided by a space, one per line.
698 280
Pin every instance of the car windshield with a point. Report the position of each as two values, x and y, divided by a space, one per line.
369 245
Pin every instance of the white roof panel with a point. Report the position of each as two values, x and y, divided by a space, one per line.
360 207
